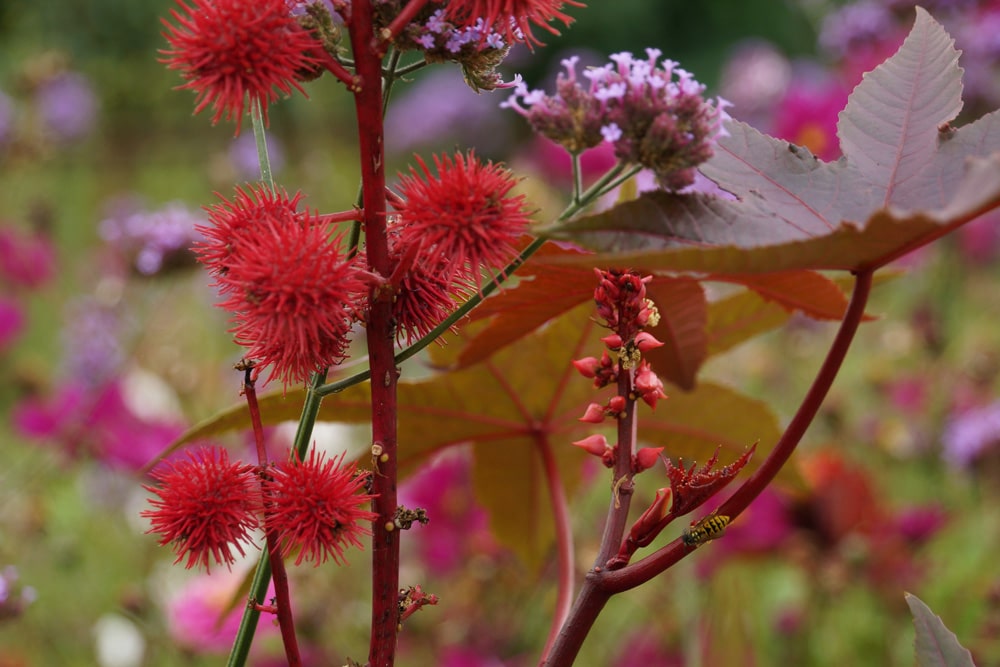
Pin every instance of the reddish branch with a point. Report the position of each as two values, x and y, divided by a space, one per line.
283 604
601 584
385 538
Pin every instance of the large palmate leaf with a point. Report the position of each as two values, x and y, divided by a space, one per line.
906 178
522 399
547 291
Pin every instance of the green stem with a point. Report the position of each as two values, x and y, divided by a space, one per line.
260 138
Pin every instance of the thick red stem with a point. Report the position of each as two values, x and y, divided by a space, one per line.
283 602
592 598
385 537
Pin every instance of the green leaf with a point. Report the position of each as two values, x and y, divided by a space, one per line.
906 179
936 645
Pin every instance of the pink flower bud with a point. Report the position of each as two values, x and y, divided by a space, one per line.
594 444
594 414
646 342
587 366
616 405
613 341
646 458
648 385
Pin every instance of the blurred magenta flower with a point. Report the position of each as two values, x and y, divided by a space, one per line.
26 259
979 241
807 115
908 394
647 648
464 656
763 528
96 421
919 524
67 106
552 160
197 617
458 527
11 322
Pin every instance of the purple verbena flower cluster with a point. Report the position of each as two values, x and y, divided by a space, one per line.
971 434
154 240
655 115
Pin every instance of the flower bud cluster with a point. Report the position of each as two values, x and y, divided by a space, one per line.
477 47
621 302
654 115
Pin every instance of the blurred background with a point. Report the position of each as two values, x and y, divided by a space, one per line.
110 348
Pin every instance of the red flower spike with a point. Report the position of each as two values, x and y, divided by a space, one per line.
464 216
646 458
693 487
594 414
292 293
621 302
315 505
511 19
207 506
226 50
648 385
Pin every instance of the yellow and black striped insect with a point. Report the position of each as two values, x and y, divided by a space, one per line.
705 529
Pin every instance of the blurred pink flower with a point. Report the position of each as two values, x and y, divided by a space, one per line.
26 259
11 322
979 241
646 648
908 394
197 618
461 656
96 421
807 116
458 527
763 528
552 159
